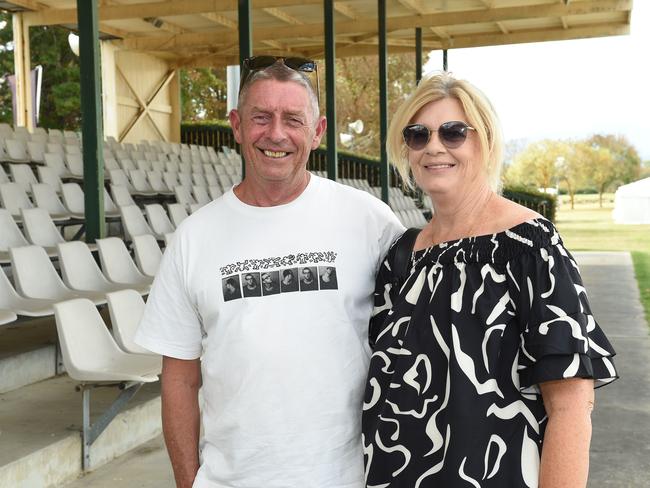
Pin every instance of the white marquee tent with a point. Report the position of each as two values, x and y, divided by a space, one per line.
632 203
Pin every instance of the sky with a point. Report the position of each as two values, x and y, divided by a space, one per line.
566 89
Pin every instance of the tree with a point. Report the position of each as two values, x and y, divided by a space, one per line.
626 160
60 91
537 165
357 95
204 94
601 168
572 168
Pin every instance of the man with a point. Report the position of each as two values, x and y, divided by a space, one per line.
307 281
328 278
270 283
289 282
231 288
251 285
282 376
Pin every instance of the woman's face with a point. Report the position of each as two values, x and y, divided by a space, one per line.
438 169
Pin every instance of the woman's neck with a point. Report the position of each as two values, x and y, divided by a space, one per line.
455 218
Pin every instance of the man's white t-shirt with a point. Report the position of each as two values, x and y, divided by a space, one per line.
283 358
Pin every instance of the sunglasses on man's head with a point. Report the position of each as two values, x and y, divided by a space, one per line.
452 134
258 63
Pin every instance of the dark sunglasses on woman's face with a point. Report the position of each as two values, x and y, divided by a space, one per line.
452 134
258 63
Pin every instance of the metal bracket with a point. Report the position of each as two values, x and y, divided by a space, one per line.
90 433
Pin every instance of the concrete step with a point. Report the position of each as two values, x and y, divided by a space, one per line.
40 425
27 352
146 466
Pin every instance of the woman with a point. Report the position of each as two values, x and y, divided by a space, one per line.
485 359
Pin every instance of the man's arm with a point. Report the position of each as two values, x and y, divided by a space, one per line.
181 380
565 452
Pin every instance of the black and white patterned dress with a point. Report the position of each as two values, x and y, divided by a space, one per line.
452 397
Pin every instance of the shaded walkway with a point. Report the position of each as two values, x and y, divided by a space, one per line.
620 450
620 453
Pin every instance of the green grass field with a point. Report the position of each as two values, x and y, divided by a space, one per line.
588 227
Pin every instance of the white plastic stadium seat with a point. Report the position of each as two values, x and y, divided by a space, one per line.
46 198
36 277
40 229
89 352
80 271
23 175
147 254
126 308
133 221
158 219
117 264
29 307
177 213
14 198
10 235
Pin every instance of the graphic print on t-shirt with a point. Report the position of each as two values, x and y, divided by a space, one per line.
301 272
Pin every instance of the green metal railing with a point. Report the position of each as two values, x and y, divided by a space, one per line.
353 166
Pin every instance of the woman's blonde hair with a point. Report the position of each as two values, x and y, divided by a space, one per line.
478 110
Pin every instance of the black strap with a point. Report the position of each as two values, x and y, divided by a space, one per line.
400 256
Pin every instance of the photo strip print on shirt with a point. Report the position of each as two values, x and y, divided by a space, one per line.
259 278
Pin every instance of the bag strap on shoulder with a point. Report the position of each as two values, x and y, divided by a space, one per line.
401 256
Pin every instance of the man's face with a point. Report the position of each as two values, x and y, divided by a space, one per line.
276 130
230 287
266 278
306 273
288 278
249 280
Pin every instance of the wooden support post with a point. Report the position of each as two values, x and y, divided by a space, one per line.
91 111
330 90
245 46
383 100
418 55
22 70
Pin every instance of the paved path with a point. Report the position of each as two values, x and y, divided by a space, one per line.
621 441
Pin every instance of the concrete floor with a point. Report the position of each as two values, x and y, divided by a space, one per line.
620 451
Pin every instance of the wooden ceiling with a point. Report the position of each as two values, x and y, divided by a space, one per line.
192 33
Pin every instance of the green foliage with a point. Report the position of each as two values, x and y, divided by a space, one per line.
543 203
641 261
60 100
204 94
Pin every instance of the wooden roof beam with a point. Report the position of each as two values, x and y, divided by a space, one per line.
283 16
346 11
541 35
368 26
220 19
167 8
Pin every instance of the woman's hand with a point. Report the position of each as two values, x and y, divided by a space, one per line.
565 452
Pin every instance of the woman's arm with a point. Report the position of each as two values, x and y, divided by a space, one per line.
565 452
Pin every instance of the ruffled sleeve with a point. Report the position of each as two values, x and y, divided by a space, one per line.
559 337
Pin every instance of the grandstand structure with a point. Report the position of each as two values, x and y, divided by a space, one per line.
70 295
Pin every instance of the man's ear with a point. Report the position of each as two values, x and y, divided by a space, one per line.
235 123
321 125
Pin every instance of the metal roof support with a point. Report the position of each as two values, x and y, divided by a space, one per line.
383 100
245 46
444 60
91 111
418 55
330 90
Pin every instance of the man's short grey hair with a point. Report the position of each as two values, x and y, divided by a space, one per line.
280 72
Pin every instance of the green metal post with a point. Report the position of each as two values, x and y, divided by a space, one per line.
383 100
245 45
418 55
330 90
91 112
